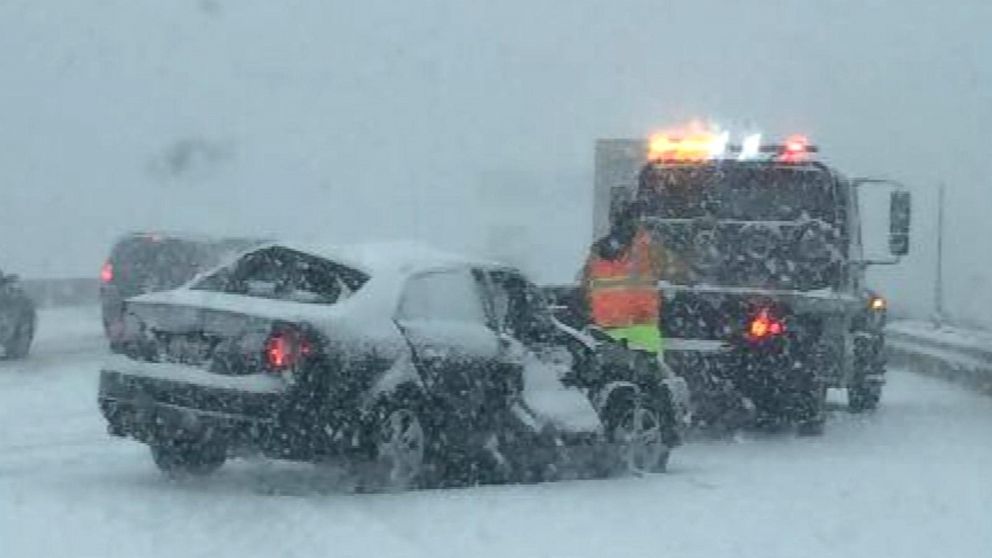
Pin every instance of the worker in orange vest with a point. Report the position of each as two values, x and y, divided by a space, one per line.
620 281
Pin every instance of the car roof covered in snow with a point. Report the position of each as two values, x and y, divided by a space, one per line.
367 313
399 257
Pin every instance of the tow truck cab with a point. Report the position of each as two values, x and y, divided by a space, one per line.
765 287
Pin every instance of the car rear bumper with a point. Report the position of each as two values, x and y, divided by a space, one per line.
142 401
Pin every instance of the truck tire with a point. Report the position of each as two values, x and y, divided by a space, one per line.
864 396
183 458
19 344
865 392
813 420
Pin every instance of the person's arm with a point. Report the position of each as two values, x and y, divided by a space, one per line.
581 304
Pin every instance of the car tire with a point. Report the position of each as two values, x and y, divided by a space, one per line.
637 433
188 458
403 446
19 344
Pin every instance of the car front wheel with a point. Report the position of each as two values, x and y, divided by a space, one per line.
401 451
636 431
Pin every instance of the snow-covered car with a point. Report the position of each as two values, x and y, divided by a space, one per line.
415 367
17 318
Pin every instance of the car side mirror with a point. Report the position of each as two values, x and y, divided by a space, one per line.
900 212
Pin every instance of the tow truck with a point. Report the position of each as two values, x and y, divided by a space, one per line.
765 296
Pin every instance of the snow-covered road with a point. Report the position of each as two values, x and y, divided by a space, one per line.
912 480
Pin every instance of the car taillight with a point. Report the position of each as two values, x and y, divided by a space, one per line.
285 349
107 272
765 326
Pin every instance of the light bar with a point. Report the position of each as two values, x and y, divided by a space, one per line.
696 144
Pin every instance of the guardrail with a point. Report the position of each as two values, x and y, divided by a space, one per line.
954 354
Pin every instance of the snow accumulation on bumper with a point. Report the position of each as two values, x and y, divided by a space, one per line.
141 399
960 355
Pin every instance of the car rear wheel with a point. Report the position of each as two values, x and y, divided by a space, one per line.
401 448
188 458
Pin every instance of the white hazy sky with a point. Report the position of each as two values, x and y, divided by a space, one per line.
461 121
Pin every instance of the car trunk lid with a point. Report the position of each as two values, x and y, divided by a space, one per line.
221 340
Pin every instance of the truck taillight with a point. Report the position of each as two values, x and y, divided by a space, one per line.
765 326
285 349
107 272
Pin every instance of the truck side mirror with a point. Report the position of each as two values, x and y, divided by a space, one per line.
900 210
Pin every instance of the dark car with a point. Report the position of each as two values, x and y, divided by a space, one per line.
17 318
148 262
415 368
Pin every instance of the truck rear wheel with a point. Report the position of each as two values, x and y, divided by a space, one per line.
864 396
813 409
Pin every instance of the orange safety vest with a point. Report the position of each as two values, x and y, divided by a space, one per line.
624 292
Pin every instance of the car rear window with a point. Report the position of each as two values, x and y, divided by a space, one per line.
282 274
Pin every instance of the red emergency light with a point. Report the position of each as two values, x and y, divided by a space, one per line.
795 149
